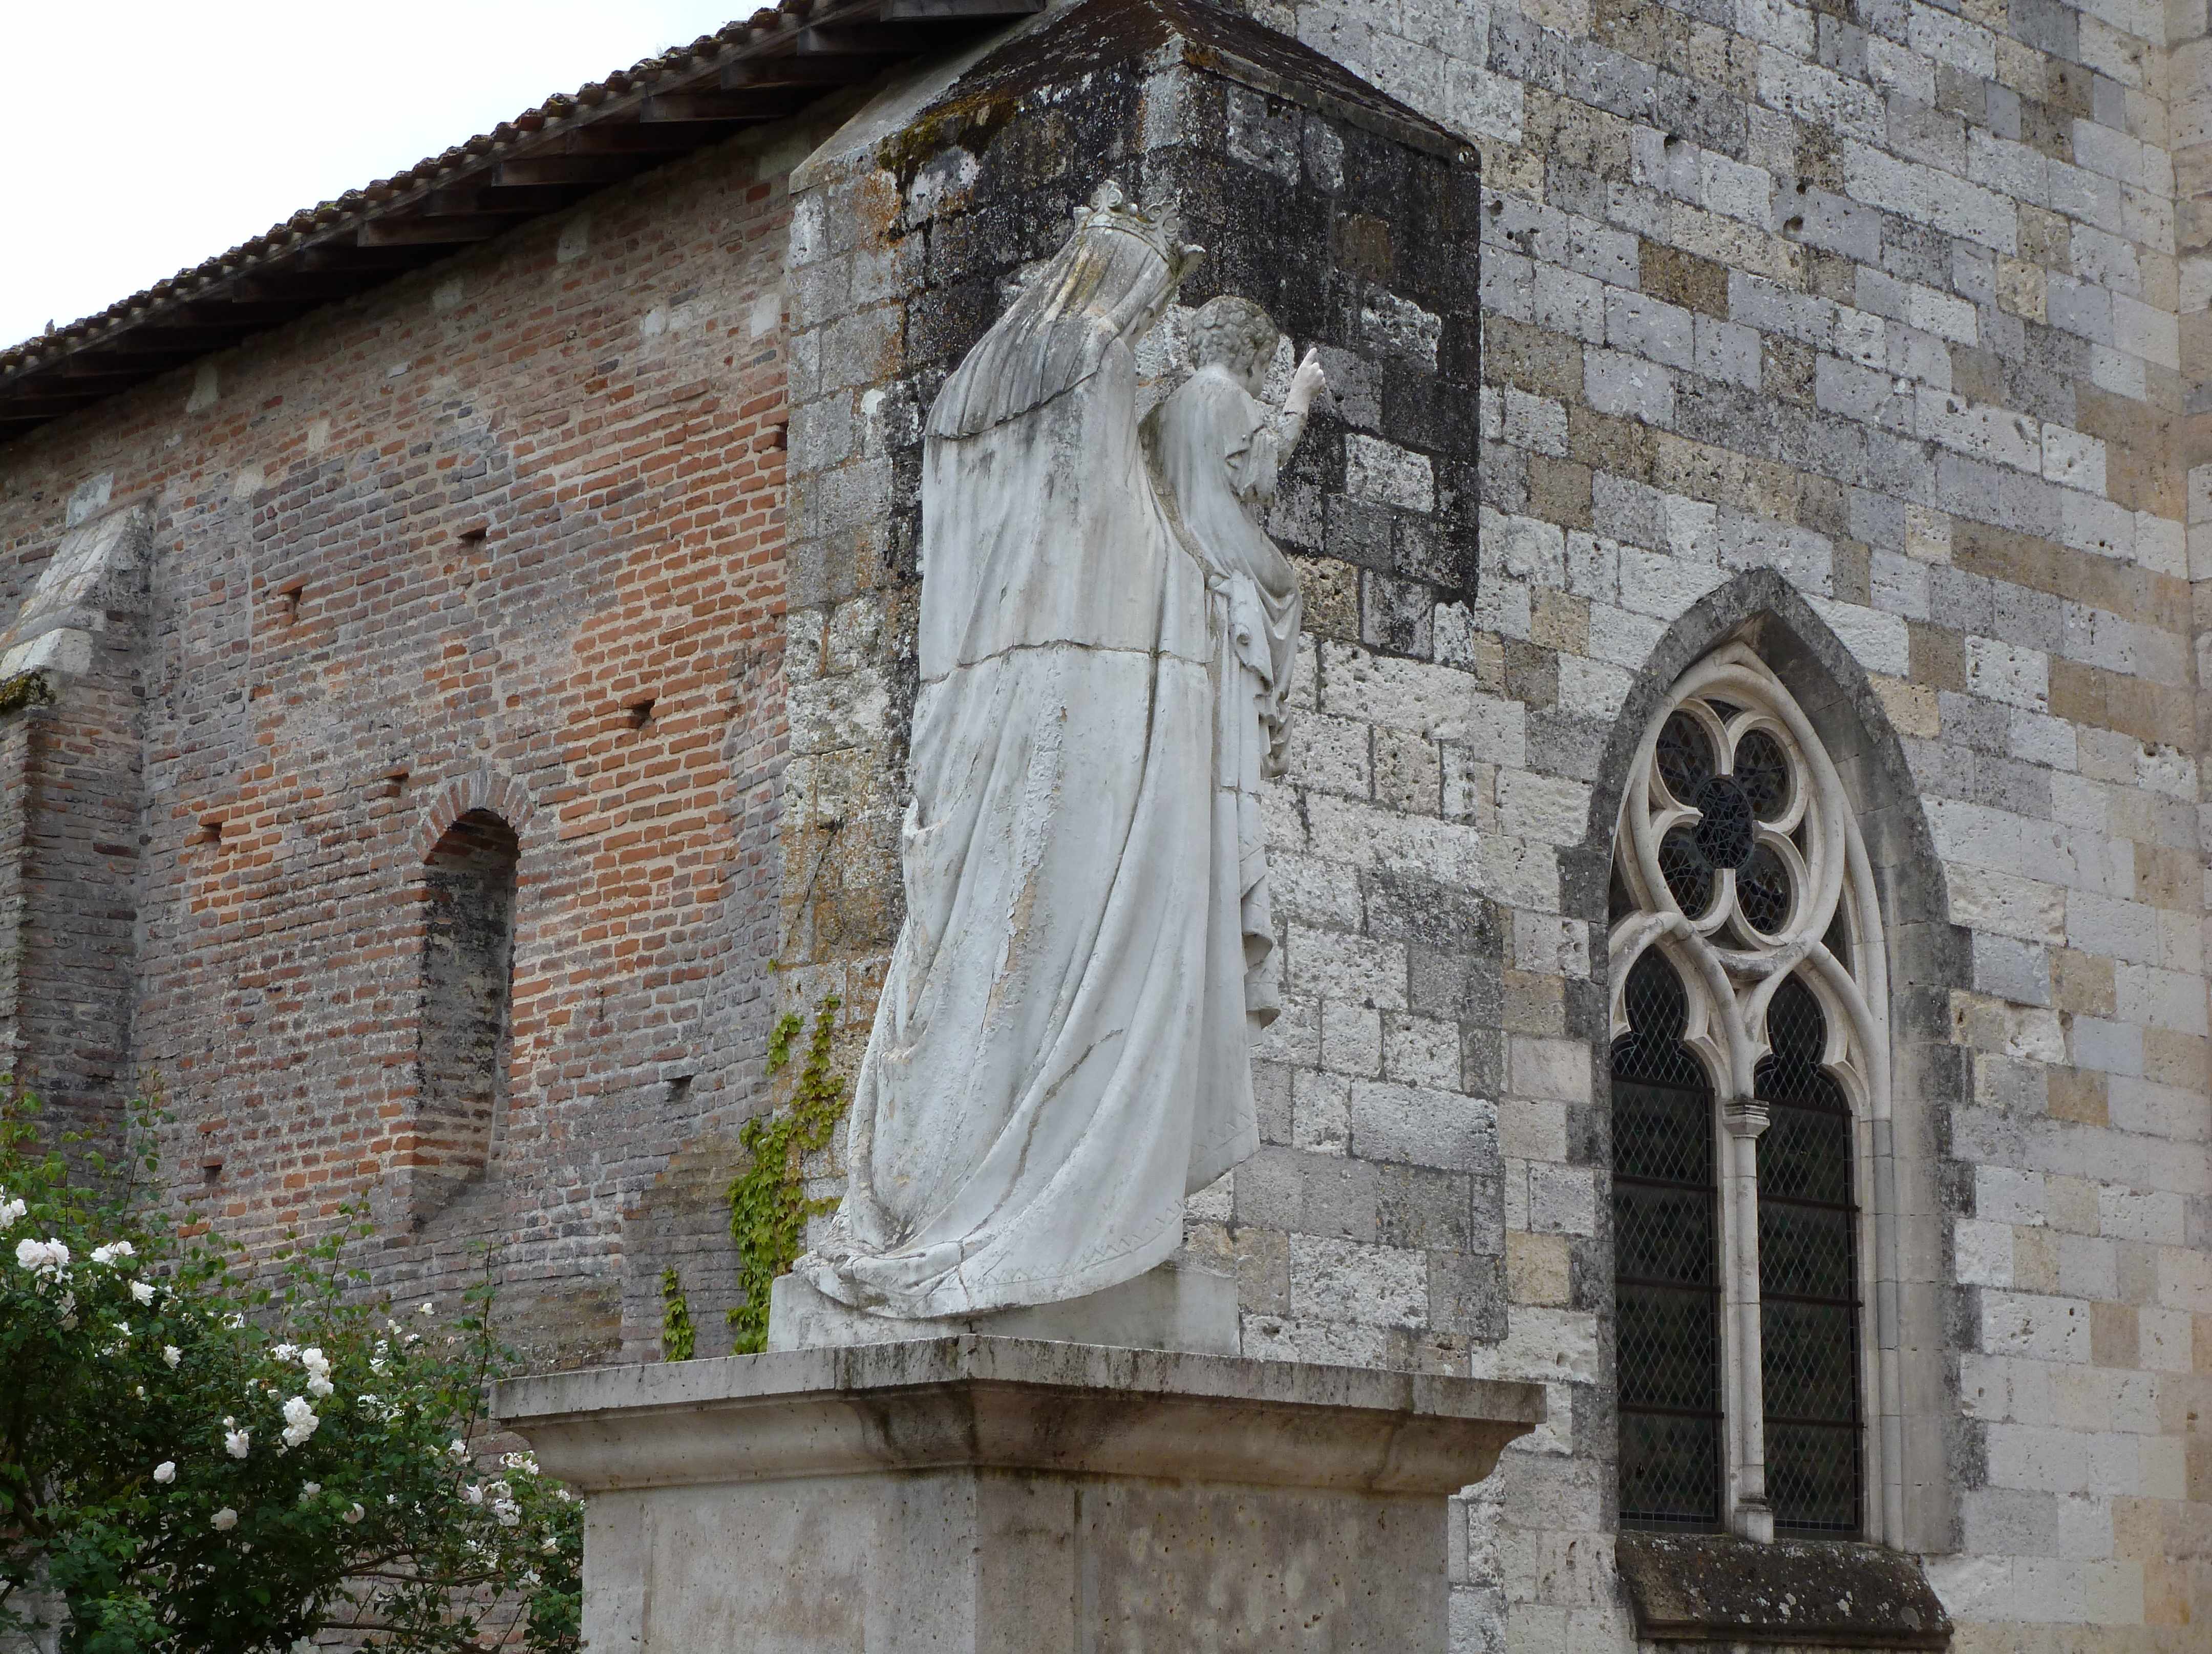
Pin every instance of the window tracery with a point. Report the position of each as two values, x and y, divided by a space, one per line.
1748 973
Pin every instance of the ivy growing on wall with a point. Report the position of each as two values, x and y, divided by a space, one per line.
679 1337
769 1207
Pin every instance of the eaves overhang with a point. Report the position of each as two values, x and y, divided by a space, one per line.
748 74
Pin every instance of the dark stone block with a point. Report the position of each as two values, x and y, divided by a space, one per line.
1716 1587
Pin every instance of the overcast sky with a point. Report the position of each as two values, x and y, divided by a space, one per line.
137 139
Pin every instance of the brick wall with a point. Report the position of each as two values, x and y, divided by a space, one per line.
503 537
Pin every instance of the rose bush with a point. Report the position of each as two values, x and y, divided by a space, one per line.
190 1462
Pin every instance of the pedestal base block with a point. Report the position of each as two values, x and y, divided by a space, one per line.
985 1494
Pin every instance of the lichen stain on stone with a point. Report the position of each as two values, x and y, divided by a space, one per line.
25 689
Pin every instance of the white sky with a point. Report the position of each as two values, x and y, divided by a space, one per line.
137 139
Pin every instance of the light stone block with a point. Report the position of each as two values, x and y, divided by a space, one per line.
996 1494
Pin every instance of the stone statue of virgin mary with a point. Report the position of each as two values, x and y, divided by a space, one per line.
1060 1050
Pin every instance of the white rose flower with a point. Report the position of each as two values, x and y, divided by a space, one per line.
106 1254
166 1472
313 1359
509 1512
424 1308
11 1212
300 1421
284 1352
355 1513
309 1490
318 1386
473 1494
142 1291
224 1520
457 1449
42 1258
172 1355
237 1443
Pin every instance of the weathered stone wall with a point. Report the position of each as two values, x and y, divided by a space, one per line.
504 536
1855 327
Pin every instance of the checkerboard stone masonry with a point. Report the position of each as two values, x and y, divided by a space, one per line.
1857 327
1878 328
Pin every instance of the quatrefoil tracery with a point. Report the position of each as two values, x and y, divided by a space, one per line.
1740 862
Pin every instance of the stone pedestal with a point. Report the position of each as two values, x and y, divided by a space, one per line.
1176 1306
977 1494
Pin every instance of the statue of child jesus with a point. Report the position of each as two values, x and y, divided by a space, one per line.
1215 451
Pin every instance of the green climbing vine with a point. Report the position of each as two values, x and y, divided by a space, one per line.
679 1337
769 1207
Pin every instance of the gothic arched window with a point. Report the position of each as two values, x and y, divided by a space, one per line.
1748 1055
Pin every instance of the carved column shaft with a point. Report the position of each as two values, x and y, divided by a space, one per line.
1745 1119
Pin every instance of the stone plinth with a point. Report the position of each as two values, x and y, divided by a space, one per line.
1002 1494
1176 1306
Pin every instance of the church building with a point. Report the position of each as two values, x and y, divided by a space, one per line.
1734 934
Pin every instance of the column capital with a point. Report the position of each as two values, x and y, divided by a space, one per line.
1744 1116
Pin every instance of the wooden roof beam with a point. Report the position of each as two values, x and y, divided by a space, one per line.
587 171
647 141
733 108
942 11
128 364
819 69
443 229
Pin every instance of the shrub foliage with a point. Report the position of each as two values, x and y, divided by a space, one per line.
190 1460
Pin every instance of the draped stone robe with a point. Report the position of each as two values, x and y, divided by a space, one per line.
1217 451
1059 1054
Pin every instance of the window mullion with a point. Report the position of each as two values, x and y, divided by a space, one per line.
1743 1120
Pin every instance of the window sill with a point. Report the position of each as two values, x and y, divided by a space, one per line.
1816 1592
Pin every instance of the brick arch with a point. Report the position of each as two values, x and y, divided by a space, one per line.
502 795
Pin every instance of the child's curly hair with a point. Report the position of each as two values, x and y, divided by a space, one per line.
1233 331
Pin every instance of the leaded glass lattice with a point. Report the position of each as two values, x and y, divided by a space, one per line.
1808 1274
1666 1263
1742 902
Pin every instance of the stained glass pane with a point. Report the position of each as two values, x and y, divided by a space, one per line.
1838 941
1808 1276
1684 756
1724 832
1762 891
1666 1263
1689 876
1763 773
